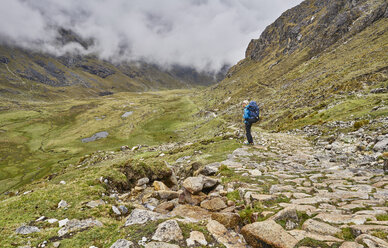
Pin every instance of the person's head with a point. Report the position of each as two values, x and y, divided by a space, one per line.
245 103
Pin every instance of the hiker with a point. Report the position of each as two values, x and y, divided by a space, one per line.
251 115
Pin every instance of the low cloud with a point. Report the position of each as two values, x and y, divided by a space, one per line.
205 34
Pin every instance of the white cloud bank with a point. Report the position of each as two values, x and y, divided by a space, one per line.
205 34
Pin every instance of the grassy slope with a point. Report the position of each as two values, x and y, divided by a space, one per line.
158 118
292 91
80 83
41 138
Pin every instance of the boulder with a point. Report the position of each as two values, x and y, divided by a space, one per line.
168 231
122 243
267 233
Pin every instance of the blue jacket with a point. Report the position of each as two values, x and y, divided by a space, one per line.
246 114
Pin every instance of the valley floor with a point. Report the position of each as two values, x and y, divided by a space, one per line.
296 195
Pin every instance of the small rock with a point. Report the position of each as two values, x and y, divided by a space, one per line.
122 243
116 210
255 173
164 207
123 209
193 184
350 245
75 225
62 182
142 181
223 236
196 238
168 231
62 204
160 245
93 204
215 204
159 186
320 227
56 244
63 222
41 218
229 220
27 229
140 216
51 221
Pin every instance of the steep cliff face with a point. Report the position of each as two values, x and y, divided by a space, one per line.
316 25
314 56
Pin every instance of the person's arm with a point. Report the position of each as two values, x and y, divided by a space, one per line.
246 114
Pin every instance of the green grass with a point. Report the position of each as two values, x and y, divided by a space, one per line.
41 138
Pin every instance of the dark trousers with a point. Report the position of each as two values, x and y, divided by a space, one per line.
248 125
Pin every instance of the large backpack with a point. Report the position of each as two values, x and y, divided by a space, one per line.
254 112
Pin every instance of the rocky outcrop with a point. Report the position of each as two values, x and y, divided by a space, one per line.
315 24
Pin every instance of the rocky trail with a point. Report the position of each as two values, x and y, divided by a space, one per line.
282 193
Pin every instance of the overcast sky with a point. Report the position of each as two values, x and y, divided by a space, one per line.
205 34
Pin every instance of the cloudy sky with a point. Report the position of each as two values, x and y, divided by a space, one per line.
205 34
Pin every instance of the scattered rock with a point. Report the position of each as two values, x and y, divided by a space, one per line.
63 222
140 216
267 233
78 225
196 238
193 212
93 204
27 229
116 210
215 204
142 181
159 186
123 209
350 245
62 204
122 243
164 207
320 227
160 245
225 237
193 184
229 220
168 231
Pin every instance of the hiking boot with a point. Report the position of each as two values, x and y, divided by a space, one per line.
248 144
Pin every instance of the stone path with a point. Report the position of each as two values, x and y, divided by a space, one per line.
278 193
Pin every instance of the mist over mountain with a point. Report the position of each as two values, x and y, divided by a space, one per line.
206 35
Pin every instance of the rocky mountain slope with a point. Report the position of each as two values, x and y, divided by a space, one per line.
26 74
315 56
